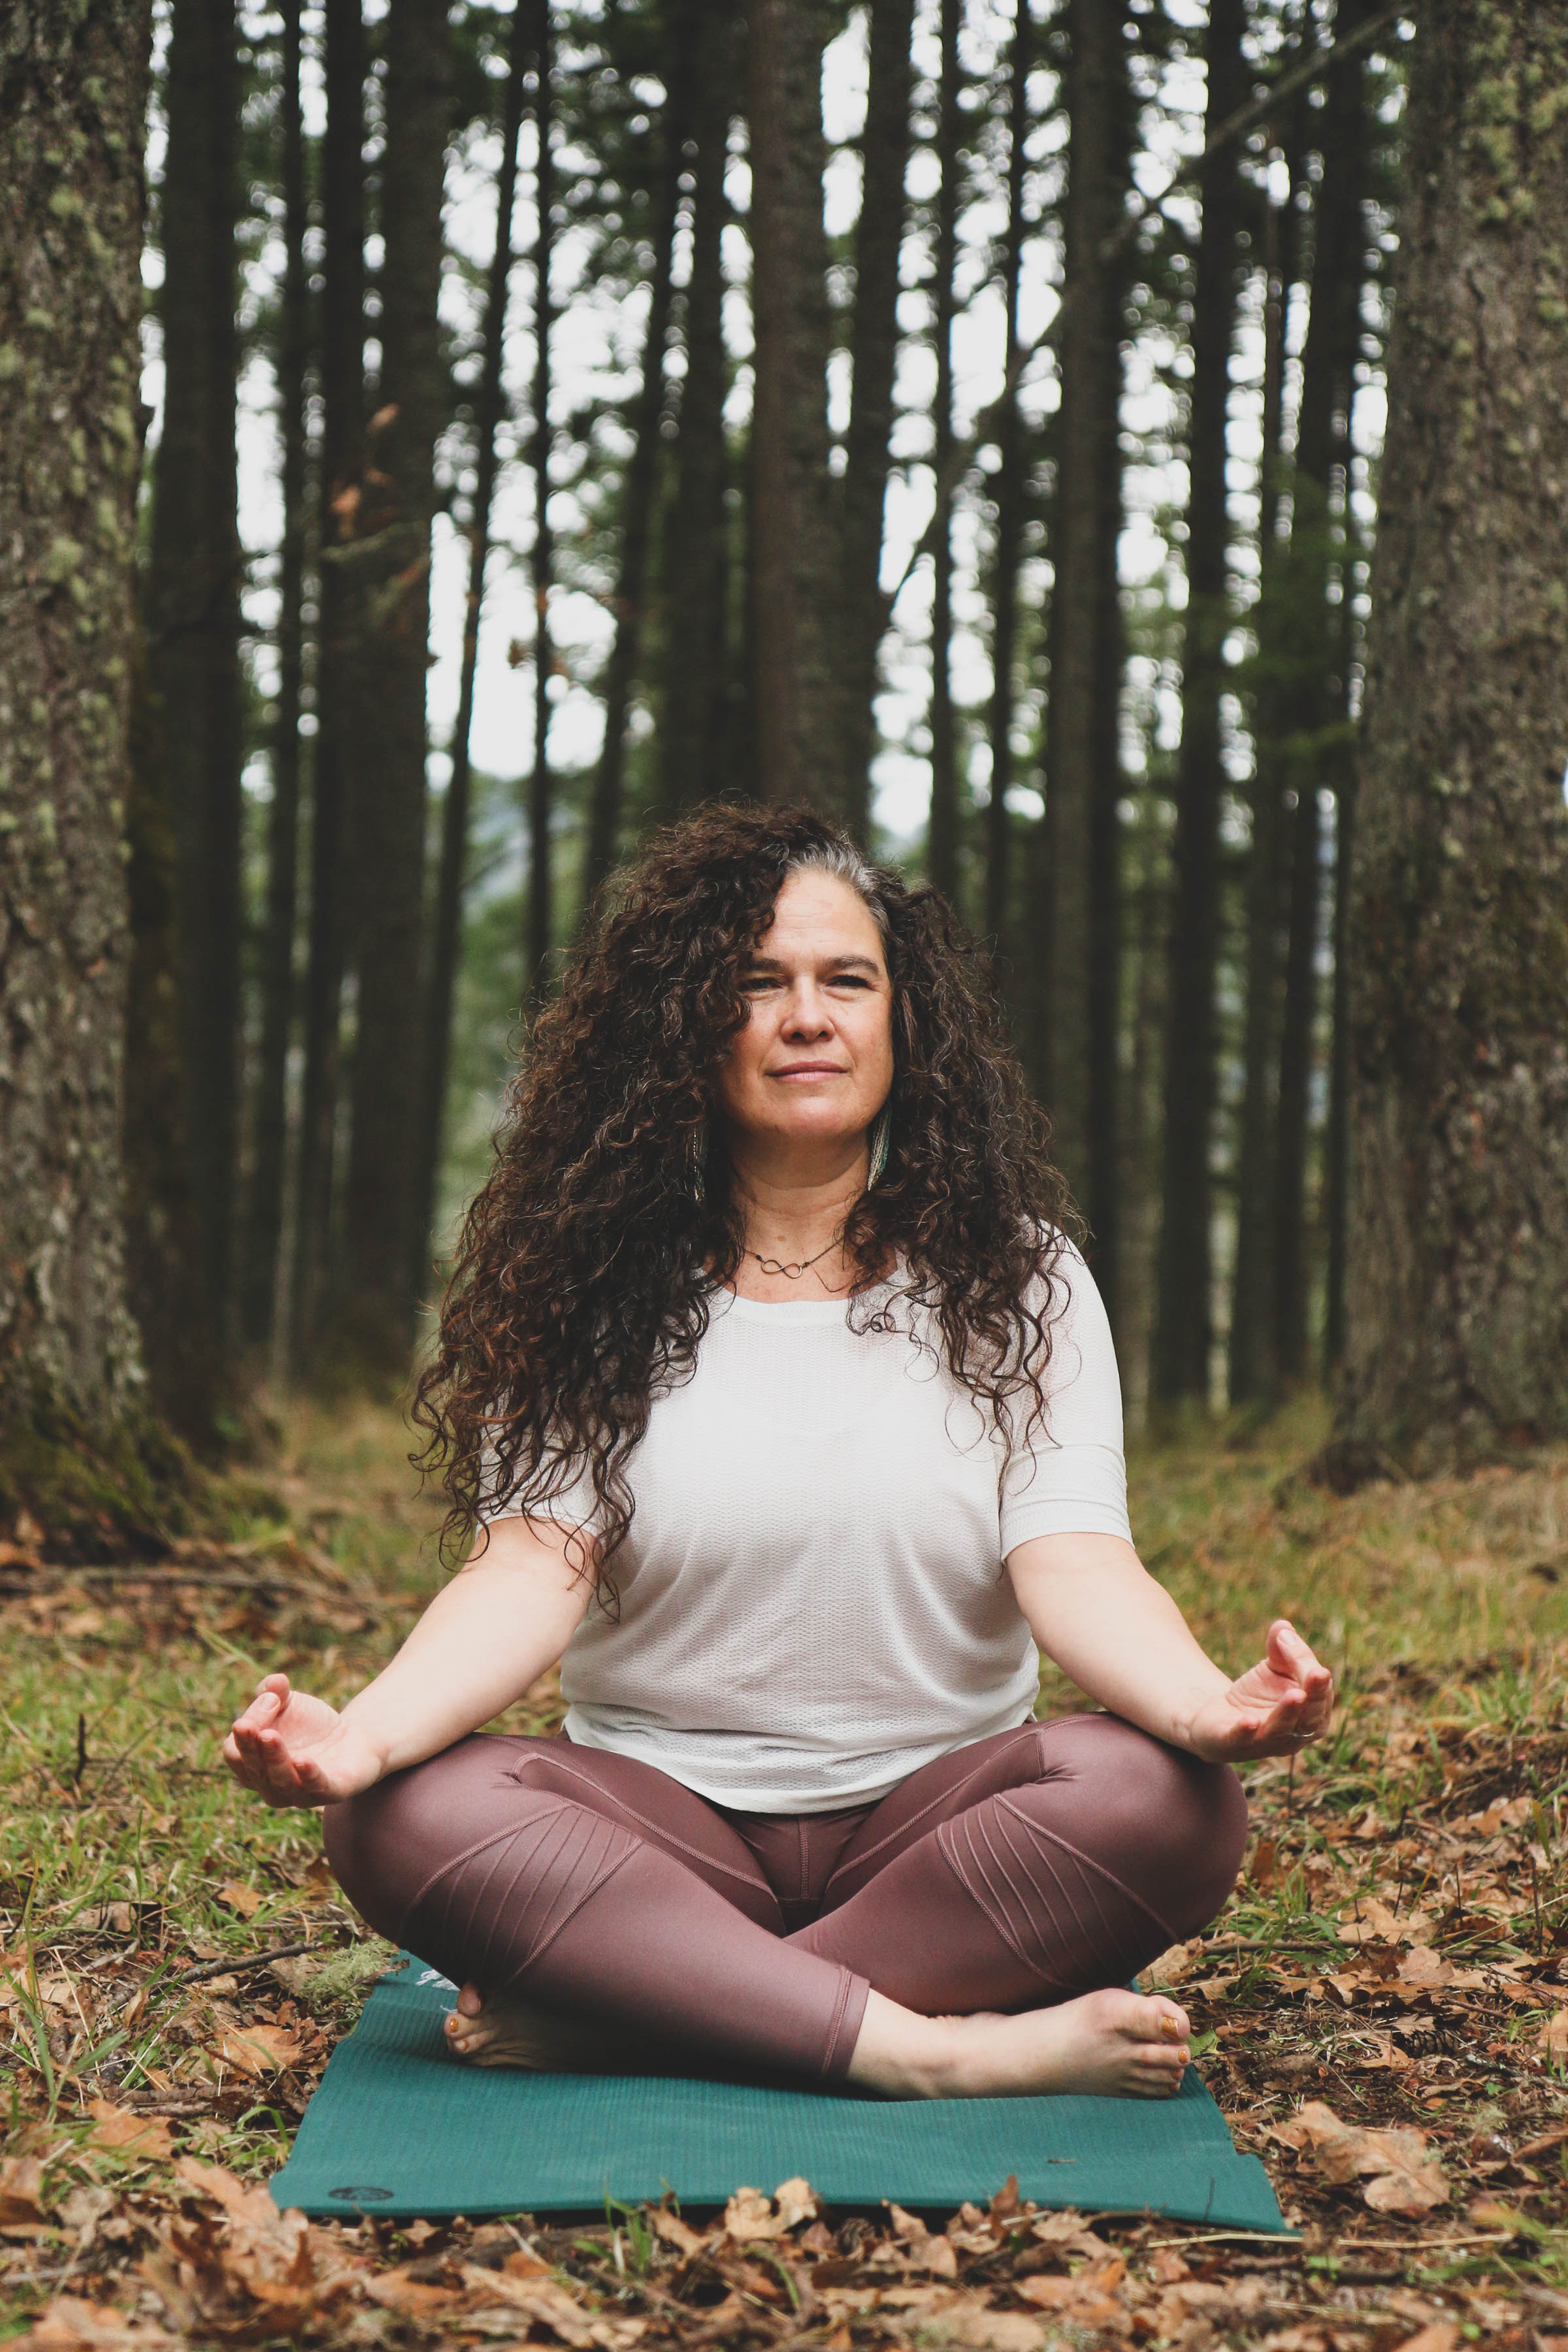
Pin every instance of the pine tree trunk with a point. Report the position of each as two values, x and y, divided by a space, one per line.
695 557
314 1271
878 241
1336 1141
1253 1371
393 582
1184 1322
1059 945
194 602
943 844
70 307
1457 1291
794 581
541 790
1315 713
264 1224
687 28
1103 1198
489 405
1009 501
186 1385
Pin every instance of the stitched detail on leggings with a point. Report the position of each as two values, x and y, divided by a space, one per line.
908 1831
1032 1885
540 1873
598 1795
455 1861
836 2023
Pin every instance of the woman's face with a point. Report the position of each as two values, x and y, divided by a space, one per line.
814 1063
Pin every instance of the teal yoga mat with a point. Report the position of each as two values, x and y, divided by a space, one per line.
399 2129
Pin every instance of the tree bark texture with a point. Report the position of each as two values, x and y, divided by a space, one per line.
1103 1197
1457 1337
194 602
795 575
263 1233
943 847
1318 730
878 241
1253 1371
342 423
695 555
187 1386
489 405
1059 950
687 29
1184 1320
541 790
1250 1367
1008 539
393 577
71 131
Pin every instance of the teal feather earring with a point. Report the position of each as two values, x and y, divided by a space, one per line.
881 1135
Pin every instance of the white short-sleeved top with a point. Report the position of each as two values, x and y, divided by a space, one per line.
813 1602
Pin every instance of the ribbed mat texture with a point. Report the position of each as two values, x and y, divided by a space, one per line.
399 2129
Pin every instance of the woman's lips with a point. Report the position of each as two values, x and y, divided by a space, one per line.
811 1070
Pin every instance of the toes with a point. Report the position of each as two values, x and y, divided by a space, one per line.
1150 2017
471 2001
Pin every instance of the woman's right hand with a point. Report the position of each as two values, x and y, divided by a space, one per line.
293 1750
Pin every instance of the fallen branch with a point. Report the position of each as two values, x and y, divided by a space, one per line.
240 1967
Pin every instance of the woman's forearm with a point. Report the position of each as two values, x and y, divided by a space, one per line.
486 1637
1093 1607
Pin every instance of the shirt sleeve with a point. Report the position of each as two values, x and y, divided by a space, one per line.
574 1507
1072 1477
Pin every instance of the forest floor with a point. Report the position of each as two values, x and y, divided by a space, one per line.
1381 2010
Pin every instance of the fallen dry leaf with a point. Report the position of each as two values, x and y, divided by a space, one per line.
1554 2035
1440 2337
674 2230
546 2300
21 2195
1395 2164
796 2200
259 2049
1401 2177
969 2320
1071 2234
1088 2297
748 2216
243 1899
145 2138
411 2298
70 2325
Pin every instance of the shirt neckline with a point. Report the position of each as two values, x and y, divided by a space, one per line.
793 1311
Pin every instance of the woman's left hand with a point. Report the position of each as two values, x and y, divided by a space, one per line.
1273 1709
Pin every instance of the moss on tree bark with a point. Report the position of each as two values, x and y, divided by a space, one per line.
1457 1287
77 1451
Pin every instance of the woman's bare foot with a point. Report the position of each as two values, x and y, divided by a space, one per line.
1110 2044
509 2032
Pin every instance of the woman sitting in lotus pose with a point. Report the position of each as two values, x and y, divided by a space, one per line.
789 1421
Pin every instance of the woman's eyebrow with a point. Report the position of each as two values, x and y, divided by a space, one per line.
835 963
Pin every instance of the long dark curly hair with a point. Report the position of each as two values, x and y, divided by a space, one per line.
589 1259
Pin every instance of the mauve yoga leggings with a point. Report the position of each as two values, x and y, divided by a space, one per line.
1017 1872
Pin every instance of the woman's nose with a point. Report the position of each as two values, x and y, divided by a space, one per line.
807 1012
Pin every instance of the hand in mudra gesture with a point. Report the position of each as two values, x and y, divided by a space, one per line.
1273 1709
293 1750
